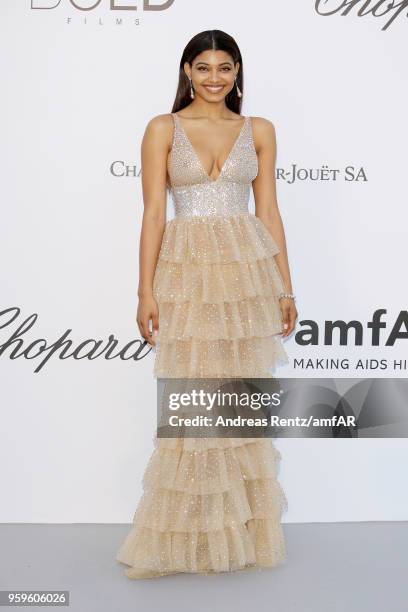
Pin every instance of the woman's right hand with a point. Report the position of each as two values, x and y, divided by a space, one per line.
148 310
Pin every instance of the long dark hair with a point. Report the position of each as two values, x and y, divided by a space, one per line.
204 41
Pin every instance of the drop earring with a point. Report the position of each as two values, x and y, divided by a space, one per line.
191 89
239 94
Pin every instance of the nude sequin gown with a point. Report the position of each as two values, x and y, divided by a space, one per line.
212 504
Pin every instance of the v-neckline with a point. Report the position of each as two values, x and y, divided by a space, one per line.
207 176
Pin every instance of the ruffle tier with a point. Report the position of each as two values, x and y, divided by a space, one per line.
247 318
217 239
245 357
216 282
204 466
151 553
231 520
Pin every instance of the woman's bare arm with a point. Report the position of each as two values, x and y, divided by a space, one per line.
155 146
267 209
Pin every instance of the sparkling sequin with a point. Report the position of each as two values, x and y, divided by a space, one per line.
212 504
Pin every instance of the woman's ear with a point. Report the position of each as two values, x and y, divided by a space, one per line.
187 69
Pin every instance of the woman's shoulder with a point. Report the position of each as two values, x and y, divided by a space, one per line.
263 131
262 123
160 123
159 129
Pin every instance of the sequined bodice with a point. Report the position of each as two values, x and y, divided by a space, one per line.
195 192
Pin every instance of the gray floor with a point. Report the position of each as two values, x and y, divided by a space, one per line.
331 567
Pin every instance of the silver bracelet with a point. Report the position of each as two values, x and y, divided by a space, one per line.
286 295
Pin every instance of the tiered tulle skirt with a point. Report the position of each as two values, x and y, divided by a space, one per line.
212 504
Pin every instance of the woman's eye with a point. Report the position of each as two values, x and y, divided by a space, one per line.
224 68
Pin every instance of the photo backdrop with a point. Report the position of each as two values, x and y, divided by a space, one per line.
80 81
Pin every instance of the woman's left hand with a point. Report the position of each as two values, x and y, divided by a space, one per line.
289 315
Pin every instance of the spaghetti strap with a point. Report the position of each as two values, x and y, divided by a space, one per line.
175 129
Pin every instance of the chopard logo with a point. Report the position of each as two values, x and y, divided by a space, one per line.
113 5
63 347
364 8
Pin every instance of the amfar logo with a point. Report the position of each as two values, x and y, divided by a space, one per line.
86 6
89 348
365 7
311 332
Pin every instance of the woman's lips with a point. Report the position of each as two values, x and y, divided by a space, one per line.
214 89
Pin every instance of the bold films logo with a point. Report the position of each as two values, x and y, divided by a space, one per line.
112 5
101 10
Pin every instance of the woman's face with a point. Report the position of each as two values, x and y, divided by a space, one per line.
213 74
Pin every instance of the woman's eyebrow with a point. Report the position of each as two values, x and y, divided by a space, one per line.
220 64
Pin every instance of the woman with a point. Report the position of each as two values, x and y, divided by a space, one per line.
215 283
